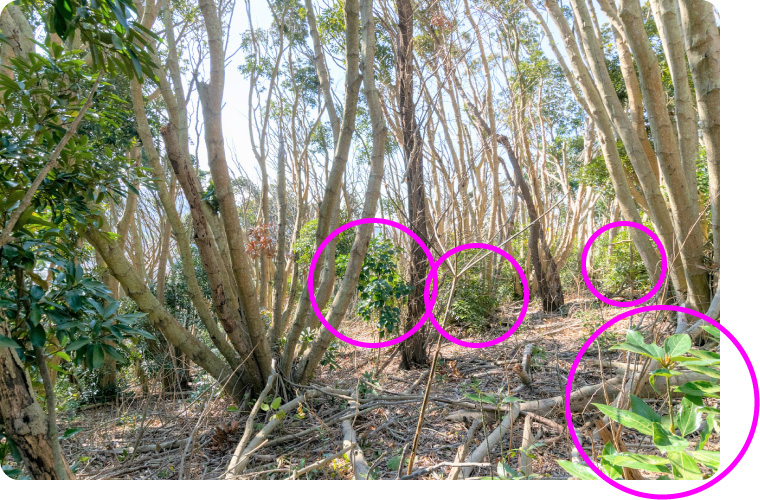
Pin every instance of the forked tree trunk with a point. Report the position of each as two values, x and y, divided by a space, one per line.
23 420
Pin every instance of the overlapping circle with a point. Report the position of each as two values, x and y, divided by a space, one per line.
663 269
431 293
313 265
429 303
431 287
618 485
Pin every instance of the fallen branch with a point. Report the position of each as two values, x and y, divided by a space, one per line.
321 463
249 425
464 447
492 439
526 463
261 437
356 455
428 470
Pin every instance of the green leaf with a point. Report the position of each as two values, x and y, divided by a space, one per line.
62 355
116 41
678 344
689 415
712 331
612 470
394 462
8 342
699 388
704 435
650 463
481 398
634 342
684 466
35 315
709 458
77 344
664 372
639 407
704 370
70 432
276 403
98 357
511 399
667 441
706 355
578 470
627 418
37 335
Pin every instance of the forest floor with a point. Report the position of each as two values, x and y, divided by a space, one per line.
146 437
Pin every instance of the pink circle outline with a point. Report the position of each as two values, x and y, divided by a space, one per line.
434 274
574 436
660 247
313 299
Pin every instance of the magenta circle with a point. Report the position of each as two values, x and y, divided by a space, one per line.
663 270
313 265
429 303
587 459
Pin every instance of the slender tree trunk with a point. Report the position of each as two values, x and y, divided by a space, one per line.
413 349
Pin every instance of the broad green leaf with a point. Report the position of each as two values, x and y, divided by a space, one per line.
707 355
78 344
639 407
394 462
37 335
98 357
62 355
608 453
709 458
650 463
684 466
627 418
678 344
578 470
634 342
276 403
712 331
481 398
8 342
704 370
511 399
699 388
71 432
666 440
704 435
689 415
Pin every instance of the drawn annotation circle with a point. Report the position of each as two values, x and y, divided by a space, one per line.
313 265
663 270
430 302
661 496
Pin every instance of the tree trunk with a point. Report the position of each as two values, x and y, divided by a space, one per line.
24 421
412 349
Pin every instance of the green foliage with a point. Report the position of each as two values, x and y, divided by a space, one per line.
473 305
305 245
381 288
109 28
680 458
368 384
